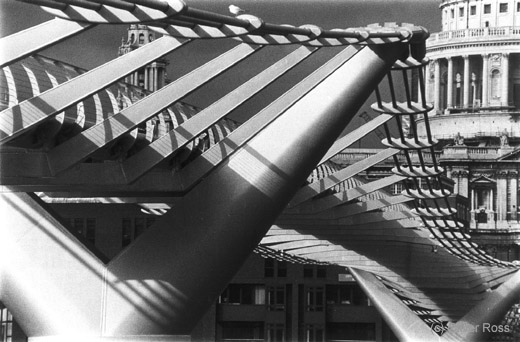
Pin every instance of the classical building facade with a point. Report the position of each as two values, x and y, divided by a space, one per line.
473 84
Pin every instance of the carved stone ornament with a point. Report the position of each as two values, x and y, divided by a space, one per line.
495 59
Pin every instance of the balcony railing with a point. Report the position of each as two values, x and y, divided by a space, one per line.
474 33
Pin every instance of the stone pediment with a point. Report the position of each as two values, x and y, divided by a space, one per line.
483 180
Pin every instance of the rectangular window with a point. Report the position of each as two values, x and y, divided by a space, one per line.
276 298
321 272
90 233
139 224
351 331
282 269
452 13
242 330
346 294
397 188
308 271
78 225
85 227
275 333
461 11
6 325
503 7
268 268
127 233
314 333
315 298
518 6
132 228
243 294
473 10
487 9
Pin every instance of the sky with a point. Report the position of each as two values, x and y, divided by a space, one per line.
99 45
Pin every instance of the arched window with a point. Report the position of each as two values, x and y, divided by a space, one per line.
141 38
132 38
495 84
150 38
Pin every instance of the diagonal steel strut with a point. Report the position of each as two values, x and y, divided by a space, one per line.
24 43
81 146
30 113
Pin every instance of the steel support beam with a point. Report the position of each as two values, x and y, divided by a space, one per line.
331 201
404 323
81 146
165 146
313 189
201 166
24 43
481 321
169 264
350 138
52 283
30 113
368 206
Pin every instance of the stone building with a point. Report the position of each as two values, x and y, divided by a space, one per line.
153 76
473 84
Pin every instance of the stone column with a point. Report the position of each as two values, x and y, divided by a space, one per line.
449 92
501 196
437 86
505 79
155 78
146 76
485 80
454 176
513 183
426 73
464 182
466 99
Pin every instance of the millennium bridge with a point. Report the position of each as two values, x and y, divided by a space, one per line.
265 184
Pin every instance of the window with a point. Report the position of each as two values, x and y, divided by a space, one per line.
242 330
141 39
314 333
518 6
452 13
308 271
461 11
397 188
314 299
6 325
243 294
85 227
487 9
275 333
272 267
321 272
282 269
351 331
495 84
269 268
132 228
503 7
473 10
276 298
346 294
